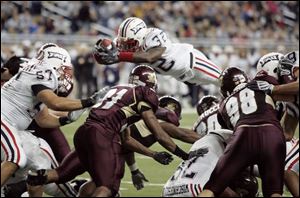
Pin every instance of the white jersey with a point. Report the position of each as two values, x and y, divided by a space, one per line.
191 175
180 60
18 103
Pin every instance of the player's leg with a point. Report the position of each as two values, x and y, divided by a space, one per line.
204 69
56 139
291 174
99 154
232 162
12 153
271 163
87 189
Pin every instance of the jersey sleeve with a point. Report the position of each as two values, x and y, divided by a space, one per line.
149 100
46 78
262 75
155 38
167 116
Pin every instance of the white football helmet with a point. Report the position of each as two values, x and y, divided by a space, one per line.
269 63
60 60
131 34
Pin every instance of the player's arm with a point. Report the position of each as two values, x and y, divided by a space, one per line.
161 136
142 57
290 88
182 134
135 146
52 101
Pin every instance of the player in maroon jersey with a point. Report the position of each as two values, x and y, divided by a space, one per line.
168 114
99 137
257 136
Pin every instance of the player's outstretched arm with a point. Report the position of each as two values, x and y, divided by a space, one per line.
185 135
161 136
290 88
148 57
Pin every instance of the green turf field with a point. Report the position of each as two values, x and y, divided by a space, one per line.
156 173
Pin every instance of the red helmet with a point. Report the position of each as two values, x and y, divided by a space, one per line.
143 75
172 103
205 103
230 78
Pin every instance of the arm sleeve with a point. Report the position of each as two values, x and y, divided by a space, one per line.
38 87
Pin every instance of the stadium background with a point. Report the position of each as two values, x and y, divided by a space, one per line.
229 33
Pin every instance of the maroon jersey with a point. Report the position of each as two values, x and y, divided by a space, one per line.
247 107
207 121
123 105
141 132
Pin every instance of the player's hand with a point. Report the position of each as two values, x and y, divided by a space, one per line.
285 67
99 94
107 56
74 115
163 157
37 178
198 153
138 179
258 85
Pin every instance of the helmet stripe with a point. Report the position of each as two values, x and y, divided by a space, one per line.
125 27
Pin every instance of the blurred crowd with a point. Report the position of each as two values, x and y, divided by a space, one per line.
240 20
236 20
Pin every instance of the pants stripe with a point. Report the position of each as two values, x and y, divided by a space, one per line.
209 68
293 163
12 152
209 63
211 75
14 141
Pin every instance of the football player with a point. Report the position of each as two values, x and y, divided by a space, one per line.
168 115
53 136
122 106
257 135
27 95
138 44
284 72
191 175
39 156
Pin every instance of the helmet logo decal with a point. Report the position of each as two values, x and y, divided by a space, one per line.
268 59
151 78
137 28
238 79
57 55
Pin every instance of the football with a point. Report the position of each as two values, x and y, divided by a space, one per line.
103 44
106 43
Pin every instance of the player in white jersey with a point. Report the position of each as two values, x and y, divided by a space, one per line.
138 44
39 156
22 96
191 175
285 70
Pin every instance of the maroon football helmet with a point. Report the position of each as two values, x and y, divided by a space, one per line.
171 103
205 103
245 184
143 75
230 78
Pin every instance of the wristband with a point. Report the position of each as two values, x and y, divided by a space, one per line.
64 120
133 167
126 56
180 153
87 102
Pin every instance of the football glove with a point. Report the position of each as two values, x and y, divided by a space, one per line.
37 178
258 85
138 179
74 115
163 157
285 67
108 56
92 100
198 153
